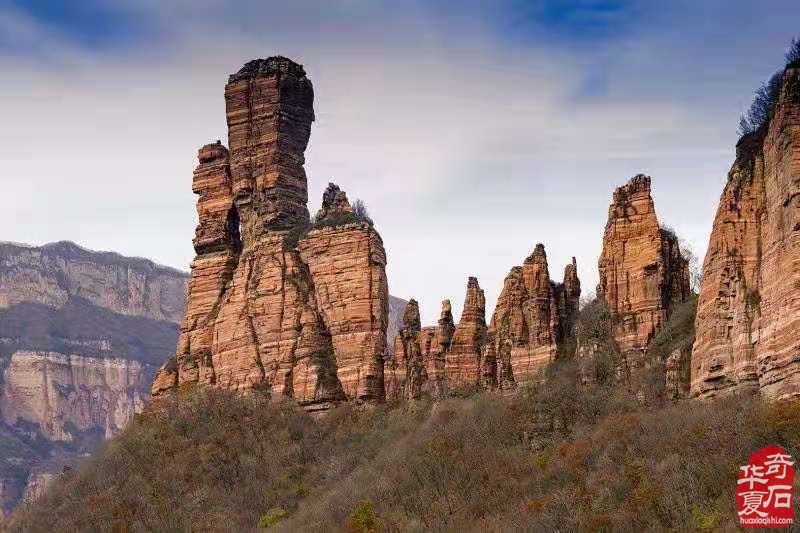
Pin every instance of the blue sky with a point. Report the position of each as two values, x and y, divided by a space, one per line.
472 130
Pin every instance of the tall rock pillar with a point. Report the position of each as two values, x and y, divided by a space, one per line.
299 311
642 272
462 361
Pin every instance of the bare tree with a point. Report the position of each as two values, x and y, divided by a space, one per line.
793 53
695 266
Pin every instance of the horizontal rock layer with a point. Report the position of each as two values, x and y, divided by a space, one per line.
533 316
642 271
748 315
275 302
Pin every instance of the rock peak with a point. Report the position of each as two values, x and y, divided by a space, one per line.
334 202
212 152
447 311
537 255
270 66
640 183
256 262
411 320
641 269
748 309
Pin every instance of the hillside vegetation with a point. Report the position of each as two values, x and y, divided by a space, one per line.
558 456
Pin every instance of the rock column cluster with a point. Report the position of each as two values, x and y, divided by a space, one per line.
532 317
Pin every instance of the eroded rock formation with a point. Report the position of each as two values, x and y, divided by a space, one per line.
748 315
277 303
417 366
642 271
52 274
532 317
69 394
463 359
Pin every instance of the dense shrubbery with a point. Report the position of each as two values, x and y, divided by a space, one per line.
555 456
359 214
677 333
793 54
760 111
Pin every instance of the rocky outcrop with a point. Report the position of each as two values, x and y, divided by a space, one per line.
642 271
407 367
276 303
567 296
677 374
81 335
748 314
463 359
37 485
533 316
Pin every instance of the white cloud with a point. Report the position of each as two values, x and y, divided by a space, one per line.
467 151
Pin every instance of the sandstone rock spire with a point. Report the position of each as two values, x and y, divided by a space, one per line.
274 304
567 296
462 361
642 272
418 364
532 316
748 314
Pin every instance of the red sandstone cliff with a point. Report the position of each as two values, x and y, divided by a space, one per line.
748 315
274 303
642 272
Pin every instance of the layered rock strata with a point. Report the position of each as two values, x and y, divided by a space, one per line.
533 316
81 336
71 394
748 315
642 271
52 274
277 303
463 359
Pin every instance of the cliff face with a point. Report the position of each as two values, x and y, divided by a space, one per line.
642 272
71 394
749 306
275 302
81 335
